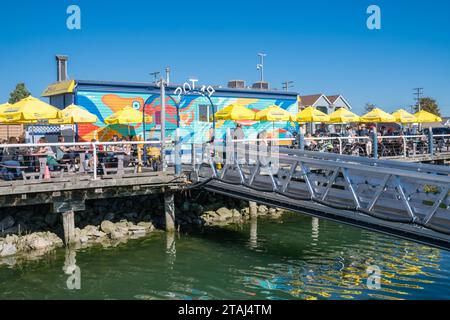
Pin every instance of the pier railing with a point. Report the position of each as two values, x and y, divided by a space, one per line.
399 192
94 160
401 146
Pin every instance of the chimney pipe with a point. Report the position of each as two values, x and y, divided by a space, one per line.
61 68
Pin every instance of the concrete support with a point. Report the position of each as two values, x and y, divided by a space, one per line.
169 209
253 209
69 226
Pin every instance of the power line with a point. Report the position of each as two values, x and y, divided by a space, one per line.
155 75
418 92
287 85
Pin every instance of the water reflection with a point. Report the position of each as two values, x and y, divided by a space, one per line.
314 231
293 258
71 269
171 250
253 243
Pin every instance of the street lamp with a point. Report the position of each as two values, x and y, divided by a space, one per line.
260 66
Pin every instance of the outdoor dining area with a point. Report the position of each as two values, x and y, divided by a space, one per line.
40 160
344 132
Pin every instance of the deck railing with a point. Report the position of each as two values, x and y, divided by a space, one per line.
47 161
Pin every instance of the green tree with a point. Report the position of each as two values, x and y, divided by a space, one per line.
19 93
430 105
369 107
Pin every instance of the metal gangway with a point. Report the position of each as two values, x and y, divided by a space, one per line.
406 200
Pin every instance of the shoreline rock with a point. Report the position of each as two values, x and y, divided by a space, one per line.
107 222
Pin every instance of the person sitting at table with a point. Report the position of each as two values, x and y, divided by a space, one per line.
310 144
10 153
10 165
126 149
65 152
113 148
51 156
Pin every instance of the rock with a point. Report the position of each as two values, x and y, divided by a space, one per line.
7 223
11 239
8 250
107 227
225 213
39 243
148 226
84 239
272 211
51 219
116 235
263 209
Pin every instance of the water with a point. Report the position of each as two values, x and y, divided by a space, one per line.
295 258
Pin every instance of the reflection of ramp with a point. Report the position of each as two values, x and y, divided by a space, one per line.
407 200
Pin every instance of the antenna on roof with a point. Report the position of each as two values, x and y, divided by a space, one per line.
287 85
155 75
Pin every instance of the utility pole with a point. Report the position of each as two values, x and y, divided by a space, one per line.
162 84
287 85
418 92
155 75
260 66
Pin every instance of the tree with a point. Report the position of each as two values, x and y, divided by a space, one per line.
369 107
19 93
428 104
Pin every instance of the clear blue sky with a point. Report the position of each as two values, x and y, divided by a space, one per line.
324 46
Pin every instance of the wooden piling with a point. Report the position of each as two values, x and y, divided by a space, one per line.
69 226
253 209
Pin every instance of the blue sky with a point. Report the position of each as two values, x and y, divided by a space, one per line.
324 46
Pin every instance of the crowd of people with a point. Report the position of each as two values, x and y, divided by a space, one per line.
17 157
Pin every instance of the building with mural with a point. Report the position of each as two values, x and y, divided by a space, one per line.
194 109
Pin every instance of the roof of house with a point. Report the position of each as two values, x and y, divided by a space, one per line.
310 100
333 98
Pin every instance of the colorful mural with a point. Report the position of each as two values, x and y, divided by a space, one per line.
104 104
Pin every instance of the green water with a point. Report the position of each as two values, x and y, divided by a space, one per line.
295 258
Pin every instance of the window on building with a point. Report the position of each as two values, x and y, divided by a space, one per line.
203 113
323 109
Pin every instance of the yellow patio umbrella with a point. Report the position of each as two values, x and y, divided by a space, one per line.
2 107
274 114
311 114
378 116
29 109
127 116
427 117
343 115
74 115
236 113
402 116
